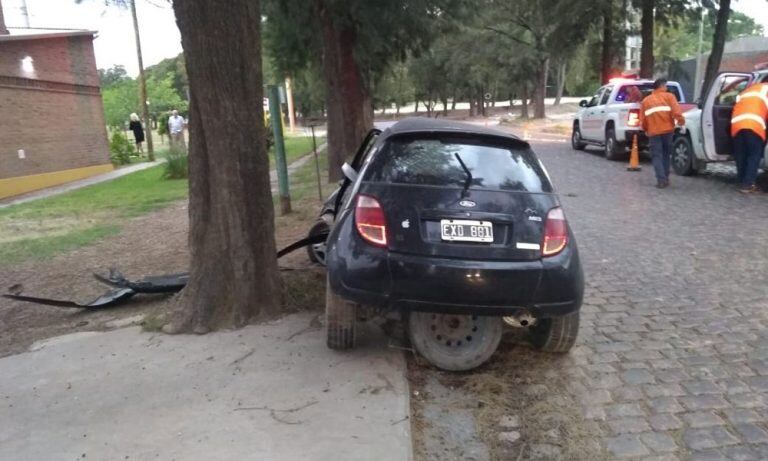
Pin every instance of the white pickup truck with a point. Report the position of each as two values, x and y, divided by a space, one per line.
609 121
708 136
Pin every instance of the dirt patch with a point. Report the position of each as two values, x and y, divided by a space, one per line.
154 243
523 404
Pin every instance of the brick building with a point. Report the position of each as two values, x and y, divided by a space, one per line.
52 126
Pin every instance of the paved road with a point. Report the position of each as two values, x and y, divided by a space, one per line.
672 360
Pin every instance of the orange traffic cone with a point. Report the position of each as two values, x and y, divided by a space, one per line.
634 156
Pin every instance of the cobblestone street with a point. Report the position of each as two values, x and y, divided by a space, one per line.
672 358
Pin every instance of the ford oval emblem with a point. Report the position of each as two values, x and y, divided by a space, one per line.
467 203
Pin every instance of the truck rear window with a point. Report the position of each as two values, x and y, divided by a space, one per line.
433 162
645 89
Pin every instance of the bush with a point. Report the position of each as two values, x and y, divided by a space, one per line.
121 149
176 165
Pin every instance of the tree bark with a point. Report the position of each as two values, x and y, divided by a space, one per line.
142 86
350 113
234 277
646 35
416 107
524 109
560 81
718 45
540 90
606 62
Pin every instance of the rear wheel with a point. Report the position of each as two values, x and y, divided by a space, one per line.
556 334
614 150
454 342
576 141
340 316
682 157
316 251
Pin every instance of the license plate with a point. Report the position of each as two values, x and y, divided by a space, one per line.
459 230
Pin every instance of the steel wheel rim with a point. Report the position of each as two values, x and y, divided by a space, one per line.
609 143
455 335
681 155
576 138
318 249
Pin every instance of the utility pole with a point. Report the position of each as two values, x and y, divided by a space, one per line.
282 168
142 85
697 77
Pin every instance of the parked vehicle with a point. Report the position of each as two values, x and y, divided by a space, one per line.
708 134
454 227
610 119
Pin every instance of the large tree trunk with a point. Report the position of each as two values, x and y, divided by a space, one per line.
606 61
234 277
646 35
540 90
718 44
350 113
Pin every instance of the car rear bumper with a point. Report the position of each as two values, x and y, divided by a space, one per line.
642 139
546 288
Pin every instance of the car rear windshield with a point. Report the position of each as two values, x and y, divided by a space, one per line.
433 162
645 90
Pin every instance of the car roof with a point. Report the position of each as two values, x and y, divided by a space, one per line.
417 125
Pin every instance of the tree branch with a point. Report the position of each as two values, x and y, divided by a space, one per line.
508 35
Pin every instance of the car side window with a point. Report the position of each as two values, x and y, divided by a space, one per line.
730 89
596 98
606 95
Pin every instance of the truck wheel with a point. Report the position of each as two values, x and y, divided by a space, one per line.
316 252
340 316
614 150
682 157
556 334
454 342
576 141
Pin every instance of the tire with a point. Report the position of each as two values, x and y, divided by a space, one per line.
454 342
556 334
682 157
316 252
614 150
577 142
340 316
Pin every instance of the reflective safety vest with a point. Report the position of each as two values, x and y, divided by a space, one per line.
658 113
751 110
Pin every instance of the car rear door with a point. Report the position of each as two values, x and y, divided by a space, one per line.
431 209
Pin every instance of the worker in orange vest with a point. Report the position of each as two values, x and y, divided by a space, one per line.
659 112
748 131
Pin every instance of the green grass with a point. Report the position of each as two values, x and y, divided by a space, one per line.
42 228
46 227
45 247
295 148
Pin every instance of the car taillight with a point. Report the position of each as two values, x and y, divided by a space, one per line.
633 118
555 233
370 221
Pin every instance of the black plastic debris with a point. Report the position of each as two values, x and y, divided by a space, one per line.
124 289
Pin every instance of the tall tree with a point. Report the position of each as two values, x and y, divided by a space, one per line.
531 24
606 61
718 45
358 40
646 35
142 85
234 276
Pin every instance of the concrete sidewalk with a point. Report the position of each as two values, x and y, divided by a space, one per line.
266 392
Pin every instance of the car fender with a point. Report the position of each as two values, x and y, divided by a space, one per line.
695 133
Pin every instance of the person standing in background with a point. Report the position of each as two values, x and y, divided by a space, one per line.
748 130
176 125
659 112
138 132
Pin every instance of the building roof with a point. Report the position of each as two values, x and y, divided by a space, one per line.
36 34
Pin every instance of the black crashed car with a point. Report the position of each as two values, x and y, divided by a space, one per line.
458 229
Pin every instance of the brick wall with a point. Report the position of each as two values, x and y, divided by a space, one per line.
55 114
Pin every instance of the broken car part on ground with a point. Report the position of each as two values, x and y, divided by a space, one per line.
124 289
